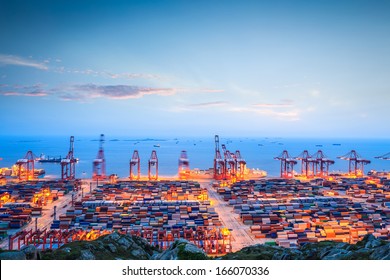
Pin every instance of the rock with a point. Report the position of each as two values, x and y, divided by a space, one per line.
13 255
342 246
31 252
182 250
86 255
100 245
372 242
126 243
66 250
112 237
369 248
288 255
125 247
140 254
111 247
169 254
381 253
337 254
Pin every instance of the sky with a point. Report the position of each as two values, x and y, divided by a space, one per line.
195 68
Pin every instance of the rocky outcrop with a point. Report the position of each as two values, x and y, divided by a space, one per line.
370 248
120 247
109 247
31 252
12 255
182 250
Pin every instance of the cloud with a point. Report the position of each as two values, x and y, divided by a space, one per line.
20 61
291 115
285 103
286 112
106 74
268 105
37 90
195 106
88 91
28 62
314 93
132 76
83 92
289 86
210 90
207 104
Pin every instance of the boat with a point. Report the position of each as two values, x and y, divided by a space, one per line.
197 173
49 159
38 172
43 158
255 174
156 145
336 144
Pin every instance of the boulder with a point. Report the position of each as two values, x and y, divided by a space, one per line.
13 255
381 253
111 247
86 255
337 254
182 250
125 242
371 241
31 252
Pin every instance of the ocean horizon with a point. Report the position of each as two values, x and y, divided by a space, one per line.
259 152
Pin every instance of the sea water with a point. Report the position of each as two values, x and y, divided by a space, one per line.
259 153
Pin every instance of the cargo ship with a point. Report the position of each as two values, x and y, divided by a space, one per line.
197 173
255 173
43 158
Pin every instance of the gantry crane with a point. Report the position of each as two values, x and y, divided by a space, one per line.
286 165
230 163
153 165
322 163
184 166
385 156
25 167
240 166
356 163
219 163
307 164
99 164
68 164
135 162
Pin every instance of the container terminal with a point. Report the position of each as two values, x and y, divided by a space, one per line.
220 210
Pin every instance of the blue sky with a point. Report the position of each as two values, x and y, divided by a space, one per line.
195 68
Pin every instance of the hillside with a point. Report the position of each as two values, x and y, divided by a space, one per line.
116 247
